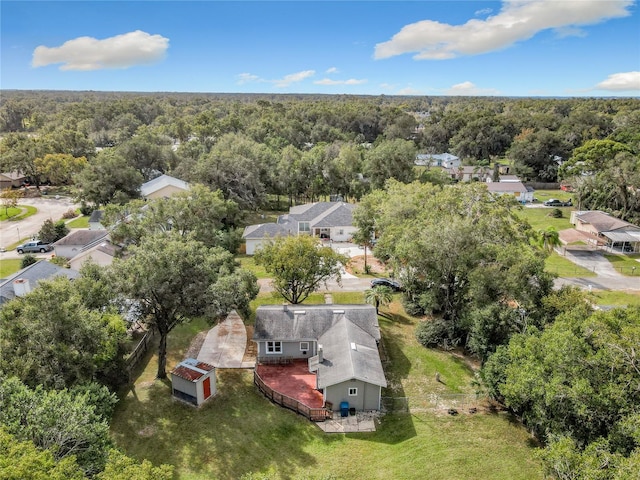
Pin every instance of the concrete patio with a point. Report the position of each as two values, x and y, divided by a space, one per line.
360 422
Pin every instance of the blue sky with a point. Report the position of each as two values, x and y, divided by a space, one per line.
512 48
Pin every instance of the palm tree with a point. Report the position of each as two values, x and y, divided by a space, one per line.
549 239
378 296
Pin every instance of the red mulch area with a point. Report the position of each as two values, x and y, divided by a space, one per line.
293 380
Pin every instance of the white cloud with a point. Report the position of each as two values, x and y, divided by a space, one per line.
293 78
470 89
621 82
332 70
88 53
247 78
518 20
483 12
409 91
351 81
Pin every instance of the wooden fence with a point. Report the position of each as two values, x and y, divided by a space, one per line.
313 414
138 353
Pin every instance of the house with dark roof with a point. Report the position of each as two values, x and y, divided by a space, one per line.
339 342
25 280
607 230
78 241
163 186
326 220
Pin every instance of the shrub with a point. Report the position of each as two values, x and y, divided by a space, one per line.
555 213
434 333
60 261
27 260
71 213
86 210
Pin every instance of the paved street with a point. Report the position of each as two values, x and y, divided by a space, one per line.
12 231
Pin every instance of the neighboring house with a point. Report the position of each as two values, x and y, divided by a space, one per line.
607 230
516 189
78 241
509 178
11 179
469 173
101 254
340 343
23 281
163 186
445 160
326 220
95 220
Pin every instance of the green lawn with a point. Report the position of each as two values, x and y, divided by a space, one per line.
9 266
566 268
239 431
543 195
14 213
80 222
539 218
613 297
247 262
625 264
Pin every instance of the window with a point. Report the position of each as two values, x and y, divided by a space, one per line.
353 391
304 346
341 231
304 227
274 347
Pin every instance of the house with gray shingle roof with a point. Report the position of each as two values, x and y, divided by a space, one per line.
339 342
25 280
163 186
78 241
608 230
326 220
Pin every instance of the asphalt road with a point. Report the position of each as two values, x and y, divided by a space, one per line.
48 208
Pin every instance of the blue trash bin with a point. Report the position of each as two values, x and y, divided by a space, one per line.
344 409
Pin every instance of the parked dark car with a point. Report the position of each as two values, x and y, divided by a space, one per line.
34 246
554 202
386 282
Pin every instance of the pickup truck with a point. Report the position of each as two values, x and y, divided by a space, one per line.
34 246
554 202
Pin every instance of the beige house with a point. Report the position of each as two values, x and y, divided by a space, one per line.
11 179
78 241
607 230
164 186
101 254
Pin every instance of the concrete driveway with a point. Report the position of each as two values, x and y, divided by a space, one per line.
608 278
225 344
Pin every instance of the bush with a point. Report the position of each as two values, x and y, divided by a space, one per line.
86 210
71 213
27 260
555 213
60 261
434 333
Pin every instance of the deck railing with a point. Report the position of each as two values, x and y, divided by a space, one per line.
313 414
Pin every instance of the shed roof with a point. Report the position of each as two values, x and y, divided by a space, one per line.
192 369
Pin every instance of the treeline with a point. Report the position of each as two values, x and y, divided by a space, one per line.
298 146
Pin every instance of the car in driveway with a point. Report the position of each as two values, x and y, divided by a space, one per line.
554 202
386 282
34 246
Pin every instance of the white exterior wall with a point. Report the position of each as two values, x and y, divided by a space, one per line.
67 251
166 191
252 244
347 233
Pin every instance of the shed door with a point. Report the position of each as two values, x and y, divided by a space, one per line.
206 385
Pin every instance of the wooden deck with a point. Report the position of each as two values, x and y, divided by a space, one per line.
292 386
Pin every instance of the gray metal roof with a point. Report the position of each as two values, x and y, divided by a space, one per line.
349 353
621 236
309 322
42 270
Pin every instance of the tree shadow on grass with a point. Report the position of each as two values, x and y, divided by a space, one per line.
235 432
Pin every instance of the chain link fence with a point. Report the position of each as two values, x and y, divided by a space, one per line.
445 402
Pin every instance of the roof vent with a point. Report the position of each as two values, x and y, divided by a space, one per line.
338 311
353 346
299 312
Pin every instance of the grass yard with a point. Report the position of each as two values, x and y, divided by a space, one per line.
543 195
565 268
9 266
248 263
625 264
614 297
14 214
539 218
80 222
239 431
